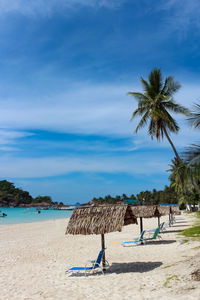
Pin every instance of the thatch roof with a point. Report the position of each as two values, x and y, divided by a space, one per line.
100 219
144 211
150 211
164 210
174 209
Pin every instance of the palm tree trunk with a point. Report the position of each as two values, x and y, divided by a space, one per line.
169 140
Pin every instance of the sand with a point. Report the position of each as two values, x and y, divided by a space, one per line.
34 257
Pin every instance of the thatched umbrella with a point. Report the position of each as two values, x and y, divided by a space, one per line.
100 220
145 211
163 211
174 209
168 210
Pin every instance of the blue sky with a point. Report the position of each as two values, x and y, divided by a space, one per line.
65 69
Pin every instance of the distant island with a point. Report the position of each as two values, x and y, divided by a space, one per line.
16 197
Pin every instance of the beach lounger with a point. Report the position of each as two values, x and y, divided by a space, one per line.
162 226
154 237
134 242
94 264
165 225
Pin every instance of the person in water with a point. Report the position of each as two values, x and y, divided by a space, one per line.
3 215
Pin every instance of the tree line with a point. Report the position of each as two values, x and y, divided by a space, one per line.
12 196
166 196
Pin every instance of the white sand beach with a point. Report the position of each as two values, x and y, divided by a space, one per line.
34 257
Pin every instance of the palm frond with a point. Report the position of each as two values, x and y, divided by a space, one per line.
152 128
137 96
145 85
195 116
138 112
142 122
155 80
176 108
145 103
168 121
192 154
170 86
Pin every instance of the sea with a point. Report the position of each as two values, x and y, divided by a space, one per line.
17 215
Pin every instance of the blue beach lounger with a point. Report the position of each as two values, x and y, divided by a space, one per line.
94 264
135 241
155 235
162 225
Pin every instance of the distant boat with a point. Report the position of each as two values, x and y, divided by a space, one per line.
66 208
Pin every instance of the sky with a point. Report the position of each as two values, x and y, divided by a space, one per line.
66 67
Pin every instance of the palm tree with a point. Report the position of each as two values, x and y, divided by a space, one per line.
192 154
195 116
185 179
179 175
155 104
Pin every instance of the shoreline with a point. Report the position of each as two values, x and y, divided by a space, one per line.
34 222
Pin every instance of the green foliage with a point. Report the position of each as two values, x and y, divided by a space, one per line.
179 175
41 199
169 279
192 154
12 196
109 200
155 105
186 181
144 197
198 214
166 196
182 206
192 232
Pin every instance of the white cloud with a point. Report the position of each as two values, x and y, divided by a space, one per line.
92 109
49 7
181 15
87 109
10 167
9 138
88 145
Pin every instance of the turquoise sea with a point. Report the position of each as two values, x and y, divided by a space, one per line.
19 215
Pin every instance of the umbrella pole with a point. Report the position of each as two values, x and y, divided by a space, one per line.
141 225
158 221
104 256
169 220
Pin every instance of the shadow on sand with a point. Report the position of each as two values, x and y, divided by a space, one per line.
179 226
129 267
160 242
171 231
